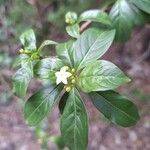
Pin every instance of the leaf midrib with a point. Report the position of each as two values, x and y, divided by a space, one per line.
67 51
117 108
75 113
43 100
88 52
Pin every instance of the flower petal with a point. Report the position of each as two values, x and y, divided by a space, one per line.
64 80
57 74
58 80
67 74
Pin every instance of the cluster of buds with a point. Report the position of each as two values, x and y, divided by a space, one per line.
71 18
32 54
67 76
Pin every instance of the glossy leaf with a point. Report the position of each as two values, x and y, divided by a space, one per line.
46 68
143 5
116 108
16 62
28 40
91 45
64 52
140 17
27 63
41 103
123 19
46 43
74 123
21 81
95 15
73 30
22 77
101 76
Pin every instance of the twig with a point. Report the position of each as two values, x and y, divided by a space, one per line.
85 25
88 23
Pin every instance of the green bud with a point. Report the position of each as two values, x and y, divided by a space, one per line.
66 67
73 70
73 81
65 87
21 51
27 52
35 56
71 18
68 89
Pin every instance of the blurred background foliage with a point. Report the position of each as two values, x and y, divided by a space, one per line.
46 16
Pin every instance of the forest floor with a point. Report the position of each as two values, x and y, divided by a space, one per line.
134 59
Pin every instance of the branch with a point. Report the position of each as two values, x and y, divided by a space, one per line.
88 23
85 25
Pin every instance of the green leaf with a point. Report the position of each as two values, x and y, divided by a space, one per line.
21 81
140 18
116 108
41 103
123 19
91 45
17 62
27 63
95 15
46 43
143 5
46 68
101 76
64 52
74 123
28 40
22 77
73 30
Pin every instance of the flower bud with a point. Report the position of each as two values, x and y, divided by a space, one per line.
68 89
65 87
73 70
27 52
71 18
66 68
21 51
73 81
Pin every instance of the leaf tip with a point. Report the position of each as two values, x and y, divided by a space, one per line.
128 79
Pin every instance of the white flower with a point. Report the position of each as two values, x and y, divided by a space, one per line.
62 76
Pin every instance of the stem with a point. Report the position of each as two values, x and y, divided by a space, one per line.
85 25
88 23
